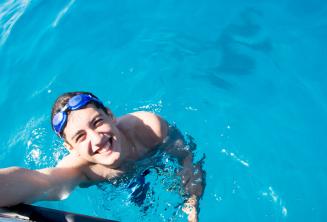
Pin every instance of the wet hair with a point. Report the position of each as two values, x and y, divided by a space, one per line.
62 100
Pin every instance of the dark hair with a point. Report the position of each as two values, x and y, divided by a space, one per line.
62 100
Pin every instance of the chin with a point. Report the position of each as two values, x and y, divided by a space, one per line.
112 159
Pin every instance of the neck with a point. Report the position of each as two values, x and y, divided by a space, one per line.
129 148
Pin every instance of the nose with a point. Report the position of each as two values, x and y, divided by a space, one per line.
96 140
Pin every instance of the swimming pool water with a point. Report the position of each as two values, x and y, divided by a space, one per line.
246 79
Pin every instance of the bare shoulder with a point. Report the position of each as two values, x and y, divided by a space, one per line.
157 124
147 127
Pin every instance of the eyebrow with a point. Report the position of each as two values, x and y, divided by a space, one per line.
91 122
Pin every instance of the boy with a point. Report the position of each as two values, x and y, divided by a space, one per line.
102 147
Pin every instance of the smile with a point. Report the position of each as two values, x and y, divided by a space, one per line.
107 148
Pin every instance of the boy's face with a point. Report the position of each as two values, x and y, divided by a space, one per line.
92 134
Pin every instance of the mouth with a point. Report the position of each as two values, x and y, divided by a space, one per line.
107 148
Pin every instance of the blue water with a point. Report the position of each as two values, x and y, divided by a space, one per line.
246 79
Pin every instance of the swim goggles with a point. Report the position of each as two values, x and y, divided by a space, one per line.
76 102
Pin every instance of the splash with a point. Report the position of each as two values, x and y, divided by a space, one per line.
152 107
10 12
34 152
162 198
40 153
23 134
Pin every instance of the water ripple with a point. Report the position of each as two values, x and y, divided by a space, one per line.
45 88
62 13
235 157
270 193
10 12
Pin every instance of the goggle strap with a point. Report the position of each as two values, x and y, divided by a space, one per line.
64 109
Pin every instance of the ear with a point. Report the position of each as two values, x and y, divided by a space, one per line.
110 114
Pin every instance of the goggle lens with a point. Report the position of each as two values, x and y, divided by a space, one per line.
74 103
77 102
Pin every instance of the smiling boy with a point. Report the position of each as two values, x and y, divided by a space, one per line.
101 147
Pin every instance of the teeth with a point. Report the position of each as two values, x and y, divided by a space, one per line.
106 147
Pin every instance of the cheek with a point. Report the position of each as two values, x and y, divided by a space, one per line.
80 149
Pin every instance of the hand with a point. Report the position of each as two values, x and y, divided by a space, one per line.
190 208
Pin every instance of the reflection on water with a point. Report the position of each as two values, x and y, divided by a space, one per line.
236 38
233 53
233 50
273 196
10 12
62 13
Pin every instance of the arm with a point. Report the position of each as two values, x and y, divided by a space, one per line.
20 185
192 174
192 179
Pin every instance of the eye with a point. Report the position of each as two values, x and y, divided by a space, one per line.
79 138
98 122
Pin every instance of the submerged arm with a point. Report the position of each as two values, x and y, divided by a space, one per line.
192 174
193 181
